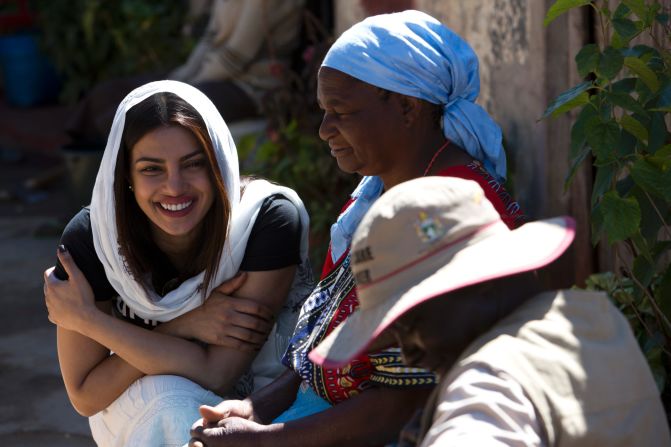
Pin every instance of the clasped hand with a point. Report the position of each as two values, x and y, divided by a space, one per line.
229 423
69 302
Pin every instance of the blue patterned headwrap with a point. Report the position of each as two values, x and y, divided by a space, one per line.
413 54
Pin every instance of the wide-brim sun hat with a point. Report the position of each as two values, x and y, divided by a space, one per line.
427 237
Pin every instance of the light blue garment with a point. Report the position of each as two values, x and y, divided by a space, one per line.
365 195
307 402
414 54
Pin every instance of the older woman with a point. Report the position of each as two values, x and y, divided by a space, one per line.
398 94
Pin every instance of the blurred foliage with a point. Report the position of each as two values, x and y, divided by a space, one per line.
623 112
291 153
92 40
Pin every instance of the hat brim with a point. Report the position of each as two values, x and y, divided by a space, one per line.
533 245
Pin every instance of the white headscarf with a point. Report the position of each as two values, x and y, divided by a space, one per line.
144 301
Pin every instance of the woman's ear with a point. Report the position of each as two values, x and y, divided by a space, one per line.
410 107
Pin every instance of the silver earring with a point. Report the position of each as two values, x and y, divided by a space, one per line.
130 187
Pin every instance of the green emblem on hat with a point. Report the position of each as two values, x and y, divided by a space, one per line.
429 229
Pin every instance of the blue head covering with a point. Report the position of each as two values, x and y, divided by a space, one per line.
413 54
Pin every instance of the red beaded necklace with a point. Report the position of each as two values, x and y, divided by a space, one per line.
435 155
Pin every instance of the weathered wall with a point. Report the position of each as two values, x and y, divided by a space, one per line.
523 66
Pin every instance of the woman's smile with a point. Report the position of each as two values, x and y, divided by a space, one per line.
177 209
339 151
171 181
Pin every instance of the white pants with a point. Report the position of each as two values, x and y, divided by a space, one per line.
155 411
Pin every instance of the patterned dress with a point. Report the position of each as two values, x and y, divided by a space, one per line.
335 298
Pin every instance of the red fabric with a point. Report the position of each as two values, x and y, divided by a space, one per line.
328 262
508 209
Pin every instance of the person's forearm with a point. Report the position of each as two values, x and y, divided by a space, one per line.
104 384
271 400
93 378
178 327
155 353
374 417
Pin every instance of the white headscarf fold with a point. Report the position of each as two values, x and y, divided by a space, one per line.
144 301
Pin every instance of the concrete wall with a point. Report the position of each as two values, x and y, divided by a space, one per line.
523 66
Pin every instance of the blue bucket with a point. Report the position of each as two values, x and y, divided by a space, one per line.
28 77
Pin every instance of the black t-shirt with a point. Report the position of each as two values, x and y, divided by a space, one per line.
274 243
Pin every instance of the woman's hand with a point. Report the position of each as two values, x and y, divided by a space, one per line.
226 409
229 423
214 421
69 302
224 320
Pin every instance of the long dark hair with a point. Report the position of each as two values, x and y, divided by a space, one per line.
135 241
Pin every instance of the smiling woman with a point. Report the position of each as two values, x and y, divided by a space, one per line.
357 123
152 319
170 180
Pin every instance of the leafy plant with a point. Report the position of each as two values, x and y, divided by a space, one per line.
623 111
291 152
296 158
92 40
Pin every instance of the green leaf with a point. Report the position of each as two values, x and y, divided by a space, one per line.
637 7
578 101
578 136
644 52
662 158
650 224
652 179
602 137
621 216
657 132
664 100
618 41
603 181
621 11
663 292
643 92
626 85
575 164
597 224
610 63
643 270
641 244
624 186
625 101
625 28
655 358
639 67
587 59
560 7
566 98
634 127
605 281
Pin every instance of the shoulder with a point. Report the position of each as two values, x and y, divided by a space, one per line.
77 235
78 239
277 214
274 241
79 226
278 210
